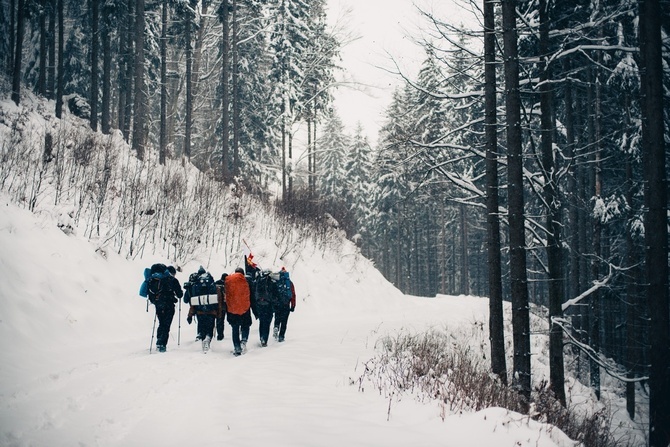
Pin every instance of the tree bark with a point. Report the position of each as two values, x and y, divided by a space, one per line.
496 327
518 275
106 113
139 119
162 146
95 49
60 80
550 192
18 52
225 75
655 220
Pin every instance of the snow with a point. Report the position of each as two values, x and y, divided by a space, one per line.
76 367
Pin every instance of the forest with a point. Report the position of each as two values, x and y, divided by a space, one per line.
525 161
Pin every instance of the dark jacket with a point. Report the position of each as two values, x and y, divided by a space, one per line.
170 291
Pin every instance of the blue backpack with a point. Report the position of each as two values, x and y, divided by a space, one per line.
284 288
150 287
201 289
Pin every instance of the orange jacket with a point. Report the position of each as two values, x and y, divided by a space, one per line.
237 294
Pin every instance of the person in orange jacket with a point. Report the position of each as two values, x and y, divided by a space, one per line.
238 303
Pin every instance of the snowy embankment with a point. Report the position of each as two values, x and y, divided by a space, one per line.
76 368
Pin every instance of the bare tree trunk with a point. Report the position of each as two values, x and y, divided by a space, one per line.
162 145
60 81
95 49
496 328
51 69
42 78
465 259
18 52
236 94
139 119
225 75
550 192
189 81
106 105
656 228
518 275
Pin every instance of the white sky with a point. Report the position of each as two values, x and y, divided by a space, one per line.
385 31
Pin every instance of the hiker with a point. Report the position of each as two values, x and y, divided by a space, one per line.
238 302
202 295
221 317
284 305
164 292
262 304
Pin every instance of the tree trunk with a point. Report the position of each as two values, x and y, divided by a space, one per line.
162 145
16 73
106 113
95 48
517 241
189 83
496 328
550 192
60 80
139 119
51 70
225 75
465 259
655 220
42 76
236 94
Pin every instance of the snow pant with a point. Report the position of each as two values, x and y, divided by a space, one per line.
240 325
264 320
220 324
281 319
205 326
164 313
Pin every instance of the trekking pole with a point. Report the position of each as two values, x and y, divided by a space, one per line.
179 329
152 333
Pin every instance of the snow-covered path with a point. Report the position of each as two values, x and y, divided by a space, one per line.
76 368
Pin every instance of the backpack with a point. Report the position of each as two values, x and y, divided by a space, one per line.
266 290
282 285
147 289
202 289
157 286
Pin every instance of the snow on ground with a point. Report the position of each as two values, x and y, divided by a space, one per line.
76 367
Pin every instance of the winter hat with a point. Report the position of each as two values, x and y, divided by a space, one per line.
239 270
201 270
172 270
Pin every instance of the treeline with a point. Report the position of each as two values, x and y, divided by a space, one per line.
526 162
223 84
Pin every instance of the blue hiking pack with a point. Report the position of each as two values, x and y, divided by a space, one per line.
151 286
201 289
284 293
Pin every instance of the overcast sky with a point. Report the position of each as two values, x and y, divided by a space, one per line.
376 33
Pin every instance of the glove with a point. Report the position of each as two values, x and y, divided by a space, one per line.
175 300
292 308
189 319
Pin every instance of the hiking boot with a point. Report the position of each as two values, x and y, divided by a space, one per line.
219 337
205 344
237 353
264 343
243 345
160 348
280 339
275 332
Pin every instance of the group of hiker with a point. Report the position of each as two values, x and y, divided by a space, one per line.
234 297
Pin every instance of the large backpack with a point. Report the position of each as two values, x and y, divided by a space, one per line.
282 285
266 291
155 270
202 289
159 289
